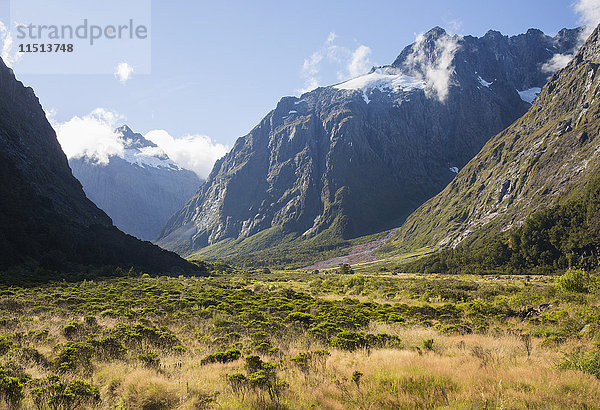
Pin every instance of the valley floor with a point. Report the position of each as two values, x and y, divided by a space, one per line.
298 340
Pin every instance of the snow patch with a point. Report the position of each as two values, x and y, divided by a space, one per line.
483 82
152 157
530 94
383 79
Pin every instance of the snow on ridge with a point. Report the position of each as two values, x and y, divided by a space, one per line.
530 94
483 82
152 157
382 79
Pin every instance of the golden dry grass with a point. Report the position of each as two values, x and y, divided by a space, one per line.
470 371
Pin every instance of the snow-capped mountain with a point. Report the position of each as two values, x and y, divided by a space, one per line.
357 157
139 191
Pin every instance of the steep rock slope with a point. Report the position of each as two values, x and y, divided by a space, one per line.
45 218
358 157
547 158
139 191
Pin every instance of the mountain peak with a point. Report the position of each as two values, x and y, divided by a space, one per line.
124 130
535 32
133 139
435 33
493 34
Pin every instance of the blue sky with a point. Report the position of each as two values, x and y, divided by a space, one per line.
217 67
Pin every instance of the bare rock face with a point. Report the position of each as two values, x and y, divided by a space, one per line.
45 218
547 156
360 156
139 191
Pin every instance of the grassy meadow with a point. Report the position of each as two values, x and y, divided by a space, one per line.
295 340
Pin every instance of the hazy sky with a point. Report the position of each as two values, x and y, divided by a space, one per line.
217 67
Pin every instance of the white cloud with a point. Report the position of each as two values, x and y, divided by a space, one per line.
123 72
589 14
557 62
92 136
359 63
347 63
9 56
434 66
455 26
310 70
195 152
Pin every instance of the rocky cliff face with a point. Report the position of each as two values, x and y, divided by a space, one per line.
359 156
45 218
139 191
549 155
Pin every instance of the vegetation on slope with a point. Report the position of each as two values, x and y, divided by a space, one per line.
561 236
276 248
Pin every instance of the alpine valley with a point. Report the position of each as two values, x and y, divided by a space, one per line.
422 236
323 170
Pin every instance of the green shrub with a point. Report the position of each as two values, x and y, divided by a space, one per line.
60 394
585 362
573 280
311 361
345 269
304 320
109 348
382 340
140 335
427 344
260 376
75 356
222 357
150 360
238 382
356 376
38 335
11 389
349 340
29 355
72 330
5 345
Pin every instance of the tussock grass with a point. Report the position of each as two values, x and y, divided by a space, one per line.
183 321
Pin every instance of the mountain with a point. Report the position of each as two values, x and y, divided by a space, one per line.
139 191
46 221
358 157
531 196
